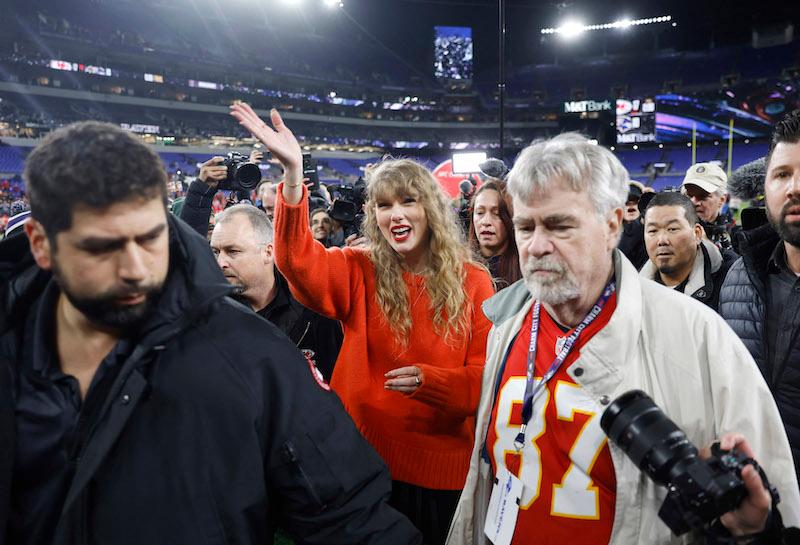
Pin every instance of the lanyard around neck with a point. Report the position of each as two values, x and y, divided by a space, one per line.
532 390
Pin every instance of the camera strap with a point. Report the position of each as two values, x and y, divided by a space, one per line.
532 390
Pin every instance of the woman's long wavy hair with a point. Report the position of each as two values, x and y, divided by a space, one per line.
448 252
508 270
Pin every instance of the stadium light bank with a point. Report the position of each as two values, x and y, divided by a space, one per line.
571 29
329 3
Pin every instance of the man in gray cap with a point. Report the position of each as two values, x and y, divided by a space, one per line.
706 184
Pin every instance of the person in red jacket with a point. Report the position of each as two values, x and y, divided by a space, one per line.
414 345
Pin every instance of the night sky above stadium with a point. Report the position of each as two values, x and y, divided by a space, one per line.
406 27
699 23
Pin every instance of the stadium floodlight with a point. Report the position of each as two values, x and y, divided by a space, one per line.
334 3
570 29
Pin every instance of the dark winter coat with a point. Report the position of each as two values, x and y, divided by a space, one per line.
319 338
207 434
631 243
743 304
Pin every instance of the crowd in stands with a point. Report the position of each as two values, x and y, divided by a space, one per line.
208 81
35 116
176 37
11 192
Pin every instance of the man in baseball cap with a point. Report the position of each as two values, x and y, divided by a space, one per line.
706 184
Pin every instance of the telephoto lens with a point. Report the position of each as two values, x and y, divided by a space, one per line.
698 491
247 175
650 439
242 174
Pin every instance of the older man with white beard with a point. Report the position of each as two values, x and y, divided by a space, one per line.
581 329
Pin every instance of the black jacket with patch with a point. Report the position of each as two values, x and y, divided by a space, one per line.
318 337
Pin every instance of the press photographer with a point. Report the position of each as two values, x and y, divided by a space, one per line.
242 240
466 191
348 207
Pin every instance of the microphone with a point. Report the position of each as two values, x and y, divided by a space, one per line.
747 181
494 168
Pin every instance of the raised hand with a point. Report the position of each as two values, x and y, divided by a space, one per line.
279 141
212 172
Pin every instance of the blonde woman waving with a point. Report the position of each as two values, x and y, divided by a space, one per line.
414 335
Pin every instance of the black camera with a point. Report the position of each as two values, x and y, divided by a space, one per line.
698 491
718 234
242 174
348 207
466 189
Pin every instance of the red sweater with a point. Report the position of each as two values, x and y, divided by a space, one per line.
425 438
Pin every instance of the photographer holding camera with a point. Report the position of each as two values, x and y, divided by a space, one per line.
582 329
242 241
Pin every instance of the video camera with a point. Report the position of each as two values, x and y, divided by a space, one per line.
348 206
698 491
466 188
242 174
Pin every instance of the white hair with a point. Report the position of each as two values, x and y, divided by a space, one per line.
570 160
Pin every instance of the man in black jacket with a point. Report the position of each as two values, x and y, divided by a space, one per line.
631 242
148 406
242 241
680 257
760 298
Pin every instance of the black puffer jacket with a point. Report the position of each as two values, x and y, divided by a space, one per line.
15 260
213 431
743 304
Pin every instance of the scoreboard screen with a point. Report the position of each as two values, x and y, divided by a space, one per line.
452 58
636 120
